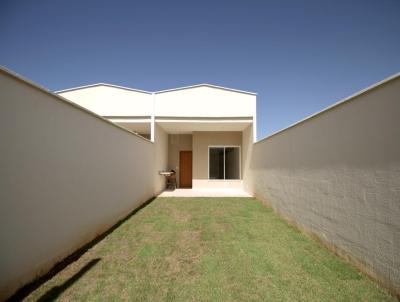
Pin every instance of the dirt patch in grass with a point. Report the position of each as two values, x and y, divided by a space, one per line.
177 214
186 254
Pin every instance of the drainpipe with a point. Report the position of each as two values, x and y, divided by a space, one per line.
152 125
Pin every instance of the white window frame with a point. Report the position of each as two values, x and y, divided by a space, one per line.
225 146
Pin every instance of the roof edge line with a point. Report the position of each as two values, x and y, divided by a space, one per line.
334 105
205 85
60 98
156 92
102 84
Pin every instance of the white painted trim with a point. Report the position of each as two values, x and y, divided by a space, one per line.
206 85
127 116
156 92
101 84
204 121
130 120
224 146
341 102
204 118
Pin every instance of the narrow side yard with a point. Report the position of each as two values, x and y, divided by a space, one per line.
208 249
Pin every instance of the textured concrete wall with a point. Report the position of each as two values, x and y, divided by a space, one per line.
337 175
66 176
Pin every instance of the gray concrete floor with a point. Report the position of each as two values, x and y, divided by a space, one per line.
204 193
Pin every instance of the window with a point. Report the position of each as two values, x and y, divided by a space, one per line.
224 163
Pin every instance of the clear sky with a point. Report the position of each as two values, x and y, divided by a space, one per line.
299 56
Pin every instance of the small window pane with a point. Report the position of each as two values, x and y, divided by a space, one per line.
232 163
216 163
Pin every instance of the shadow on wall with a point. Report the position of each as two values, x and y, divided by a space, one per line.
57 290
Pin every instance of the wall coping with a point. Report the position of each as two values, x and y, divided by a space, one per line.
339 103
24 80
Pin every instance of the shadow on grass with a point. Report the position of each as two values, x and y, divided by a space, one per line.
30 287
54 292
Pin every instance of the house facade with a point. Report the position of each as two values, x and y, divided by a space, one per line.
202 132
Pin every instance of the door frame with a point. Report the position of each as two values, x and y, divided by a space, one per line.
180 168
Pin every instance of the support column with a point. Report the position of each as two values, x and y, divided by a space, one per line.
152 121
254 128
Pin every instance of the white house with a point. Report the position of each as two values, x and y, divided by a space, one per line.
203 132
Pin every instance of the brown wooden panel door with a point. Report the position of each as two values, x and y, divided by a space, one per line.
185 169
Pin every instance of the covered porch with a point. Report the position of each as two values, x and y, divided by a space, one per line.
205 153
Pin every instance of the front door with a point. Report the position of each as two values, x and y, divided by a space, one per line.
185 169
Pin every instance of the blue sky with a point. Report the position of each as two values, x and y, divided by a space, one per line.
299 56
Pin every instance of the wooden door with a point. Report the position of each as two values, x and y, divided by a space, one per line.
185 169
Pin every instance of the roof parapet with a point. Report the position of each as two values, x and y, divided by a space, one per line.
155 92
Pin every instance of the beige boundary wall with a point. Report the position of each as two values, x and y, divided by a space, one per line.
337 176
67 175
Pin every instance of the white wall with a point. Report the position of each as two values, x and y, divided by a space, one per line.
337 176
202 101
198 101
205 101
247 150
161 158
66 176
112 101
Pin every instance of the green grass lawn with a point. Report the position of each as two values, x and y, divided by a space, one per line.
208 249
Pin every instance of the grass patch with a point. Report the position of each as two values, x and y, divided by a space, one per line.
208 249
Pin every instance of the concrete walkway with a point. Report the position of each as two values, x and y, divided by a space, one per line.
204 193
